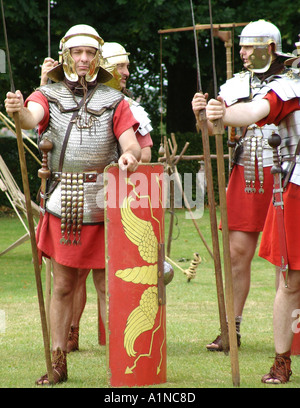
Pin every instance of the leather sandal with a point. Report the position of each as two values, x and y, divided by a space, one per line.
59 366
280 372
73 339
216 345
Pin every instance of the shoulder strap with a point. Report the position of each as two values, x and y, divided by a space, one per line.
67 135
65 142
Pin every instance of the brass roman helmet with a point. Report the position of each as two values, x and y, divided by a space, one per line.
80 35
112 55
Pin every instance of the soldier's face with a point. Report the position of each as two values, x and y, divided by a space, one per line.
245 53
82 57
123 70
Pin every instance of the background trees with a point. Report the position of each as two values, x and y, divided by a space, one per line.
135 24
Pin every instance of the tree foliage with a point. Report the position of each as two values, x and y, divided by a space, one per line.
135 24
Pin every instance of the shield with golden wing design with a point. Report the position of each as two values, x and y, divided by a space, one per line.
136 316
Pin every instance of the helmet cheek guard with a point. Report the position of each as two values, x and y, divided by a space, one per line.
69 66
260 59
115 81
94 67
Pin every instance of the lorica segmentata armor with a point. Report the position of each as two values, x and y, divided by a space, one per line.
253 146
289 131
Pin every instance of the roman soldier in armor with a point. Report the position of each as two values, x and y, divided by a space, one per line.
89 124
250 185
278 103
116 61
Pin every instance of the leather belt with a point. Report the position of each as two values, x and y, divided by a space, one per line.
87 177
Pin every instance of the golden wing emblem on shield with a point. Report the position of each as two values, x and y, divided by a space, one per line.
141 234
141 319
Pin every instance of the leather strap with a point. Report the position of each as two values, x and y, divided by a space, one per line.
65 142
67 135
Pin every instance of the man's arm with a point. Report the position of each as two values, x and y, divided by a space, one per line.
30 117
146 154
240 114
131 151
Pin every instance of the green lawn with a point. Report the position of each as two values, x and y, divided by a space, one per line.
192 321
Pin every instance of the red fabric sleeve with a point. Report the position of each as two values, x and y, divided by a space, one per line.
123 119
279 109
144 141
38 97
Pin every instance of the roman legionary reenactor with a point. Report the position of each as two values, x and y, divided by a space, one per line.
116 61
251 182
280 240
88 124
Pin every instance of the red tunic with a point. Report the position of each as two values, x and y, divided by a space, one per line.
269 248
91 253
248 211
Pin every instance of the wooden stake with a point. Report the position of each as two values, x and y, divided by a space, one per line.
37 268
218 130
202 124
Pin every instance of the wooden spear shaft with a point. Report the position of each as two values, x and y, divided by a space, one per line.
25 181
202 124
218 132
37 268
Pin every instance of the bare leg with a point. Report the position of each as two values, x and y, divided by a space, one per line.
61 310
79 297
242 250
287 300
99 281
286 308
277 277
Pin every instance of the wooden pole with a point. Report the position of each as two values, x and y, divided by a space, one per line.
218 131
192 157
25 181
37 268
172 161
201 122
201 27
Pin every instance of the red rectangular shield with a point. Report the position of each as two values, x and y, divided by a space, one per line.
136 312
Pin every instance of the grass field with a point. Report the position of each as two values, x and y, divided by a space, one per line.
192 321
